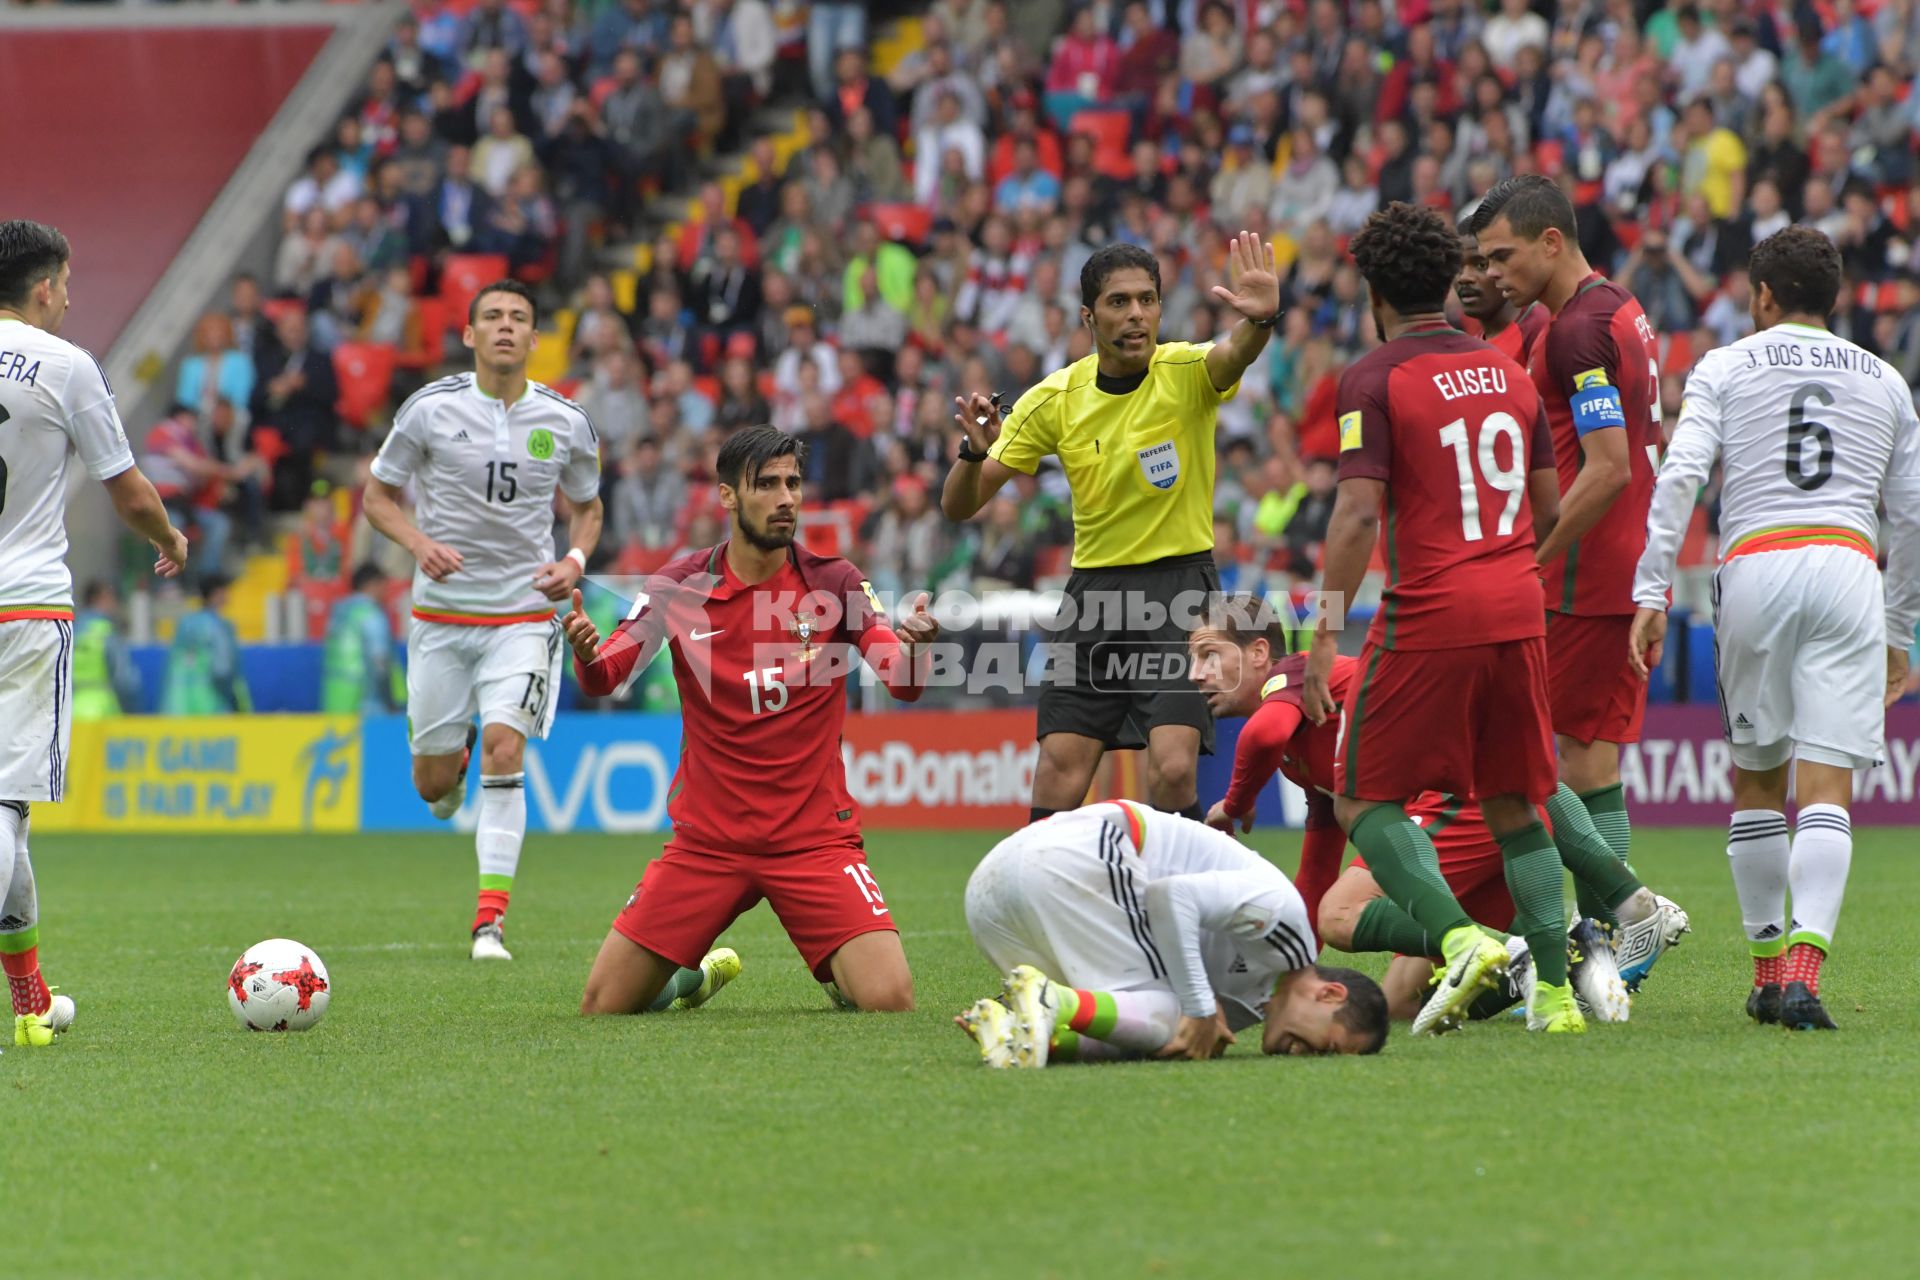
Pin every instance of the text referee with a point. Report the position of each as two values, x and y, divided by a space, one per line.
1133 425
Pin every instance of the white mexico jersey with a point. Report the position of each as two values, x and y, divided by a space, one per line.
54 402
1811 430
484 474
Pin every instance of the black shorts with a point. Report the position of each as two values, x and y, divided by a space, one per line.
1119 669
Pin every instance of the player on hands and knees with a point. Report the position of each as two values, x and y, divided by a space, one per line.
1133 425
1490 316
1450 693
54 403
1232 661
1812 434
486 453
1125 932
1597 371
763 635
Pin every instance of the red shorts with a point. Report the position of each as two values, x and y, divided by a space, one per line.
686 898
1470 722
1594 694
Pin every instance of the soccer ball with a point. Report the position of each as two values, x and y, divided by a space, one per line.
278 985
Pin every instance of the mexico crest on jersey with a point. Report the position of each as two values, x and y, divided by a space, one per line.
1160 464
540 443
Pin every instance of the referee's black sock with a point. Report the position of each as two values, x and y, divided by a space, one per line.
1036 813
1193 811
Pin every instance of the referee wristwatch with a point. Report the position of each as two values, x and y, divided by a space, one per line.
1270 321
968 453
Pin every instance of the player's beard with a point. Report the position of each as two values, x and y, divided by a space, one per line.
766 538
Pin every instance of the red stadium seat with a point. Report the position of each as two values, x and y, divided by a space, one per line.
908 223
463 277
432 313
365 374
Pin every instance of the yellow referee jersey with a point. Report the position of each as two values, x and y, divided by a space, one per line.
1140 464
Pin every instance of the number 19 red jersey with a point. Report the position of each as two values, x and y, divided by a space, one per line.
1453 428
1598 367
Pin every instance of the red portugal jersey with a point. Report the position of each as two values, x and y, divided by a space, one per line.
762 672
1516 341
1278 737
1598 369
1452 427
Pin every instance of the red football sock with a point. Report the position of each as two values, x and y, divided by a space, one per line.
1803 965
1769 969
493 905
24 983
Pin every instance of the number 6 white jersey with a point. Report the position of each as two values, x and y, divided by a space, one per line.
484 474
54 402
1811 431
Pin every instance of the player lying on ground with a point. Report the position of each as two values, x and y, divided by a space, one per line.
1233 660
487 453
1812 434
54 403
763 634
1450 693
1596 368
1126 932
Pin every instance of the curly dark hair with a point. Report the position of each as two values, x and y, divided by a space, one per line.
1111 258
1530 204
1409 255
1801 266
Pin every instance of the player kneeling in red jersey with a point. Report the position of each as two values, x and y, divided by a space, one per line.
1238 660
763 634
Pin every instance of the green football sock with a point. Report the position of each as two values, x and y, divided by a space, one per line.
1404 862
1608 808
1539 899
1601 879
683 983
1385 927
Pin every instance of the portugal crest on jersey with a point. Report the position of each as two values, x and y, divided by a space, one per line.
804 629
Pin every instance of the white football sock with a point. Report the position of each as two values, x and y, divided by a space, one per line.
1757 851
1822 853
13 840
503 823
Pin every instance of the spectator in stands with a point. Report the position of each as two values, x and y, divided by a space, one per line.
1715 158
758 203
203 676
645 135
1211 53
617 405
522 224
325 186
357 675
690 81
1507 32
294 392
726 295
838 463
1815 79
1004 558
217 369
387 314
648 497
317 556
1081 73
1029 188
741 404
629 26
830 196
331 309
1665 283
501 153
490 24
1882 135
371 235
460 206
908 542
304 255
873 162
191 481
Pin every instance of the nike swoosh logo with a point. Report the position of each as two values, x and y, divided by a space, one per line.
697 634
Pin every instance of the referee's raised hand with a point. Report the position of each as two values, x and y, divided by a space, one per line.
979 416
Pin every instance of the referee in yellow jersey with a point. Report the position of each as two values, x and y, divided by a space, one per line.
1133 424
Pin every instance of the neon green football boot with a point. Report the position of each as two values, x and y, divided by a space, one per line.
719 967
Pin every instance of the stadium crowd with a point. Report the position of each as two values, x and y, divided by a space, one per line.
925 235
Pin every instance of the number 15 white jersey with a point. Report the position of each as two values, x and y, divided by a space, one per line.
54 401
1811 431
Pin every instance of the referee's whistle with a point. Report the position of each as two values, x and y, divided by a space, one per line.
995 399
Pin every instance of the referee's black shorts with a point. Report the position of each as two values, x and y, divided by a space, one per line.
1115 675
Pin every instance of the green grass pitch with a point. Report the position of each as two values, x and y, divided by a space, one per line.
449 1119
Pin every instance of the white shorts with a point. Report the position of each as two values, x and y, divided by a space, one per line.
1800 648
1069 899
36 707
510 675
